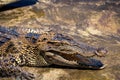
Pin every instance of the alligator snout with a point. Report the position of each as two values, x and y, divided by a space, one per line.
92 64
73 60
89 63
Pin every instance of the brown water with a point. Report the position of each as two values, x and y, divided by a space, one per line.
94 22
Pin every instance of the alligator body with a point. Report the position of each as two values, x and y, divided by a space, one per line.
21 48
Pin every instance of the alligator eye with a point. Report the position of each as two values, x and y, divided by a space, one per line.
19 42
44 39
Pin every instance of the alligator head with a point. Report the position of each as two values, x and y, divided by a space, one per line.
65 54
63 51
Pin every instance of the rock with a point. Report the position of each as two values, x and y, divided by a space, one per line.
94 22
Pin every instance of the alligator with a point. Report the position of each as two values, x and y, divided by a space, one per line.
26 47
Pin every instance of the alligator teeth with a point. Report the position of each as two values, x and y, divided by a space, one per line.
103 66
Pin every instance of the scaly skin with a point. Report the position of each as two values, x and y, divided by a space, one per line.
20 48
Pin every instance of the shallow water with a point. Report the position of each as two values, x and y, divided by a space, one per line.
95 23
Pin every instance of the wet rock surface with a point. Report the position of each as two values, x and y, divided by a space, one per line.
93 22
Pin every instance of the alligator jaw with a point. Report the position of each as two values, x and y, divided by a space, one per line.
73 60
89 63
